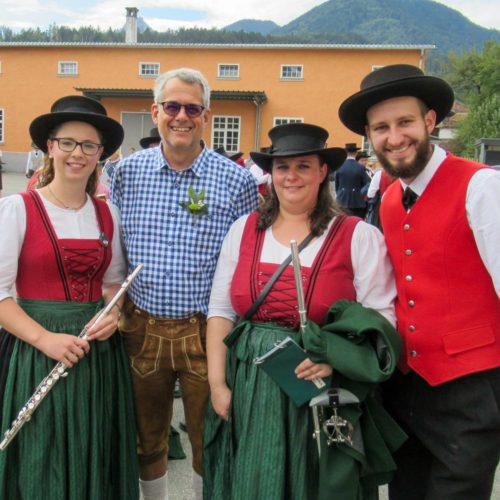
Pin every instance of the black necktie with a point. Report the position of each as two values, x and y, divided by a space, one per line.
409 198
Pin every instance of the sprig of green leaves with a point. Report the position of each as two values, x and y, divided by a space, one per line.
196 205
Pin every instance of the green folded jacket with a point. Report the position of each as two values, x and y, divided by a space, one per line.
280 363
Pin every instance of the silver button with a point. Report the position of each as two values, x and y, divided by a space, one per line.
408 278
406 227
413 354
411 328
408 251
411 303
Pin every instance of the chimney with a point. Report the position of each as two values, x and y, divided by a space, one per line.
131 25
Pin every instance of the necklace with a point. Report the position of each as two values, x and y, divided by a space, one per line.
62 202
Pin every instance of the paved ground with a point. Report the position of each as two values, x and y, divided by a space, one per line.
180 478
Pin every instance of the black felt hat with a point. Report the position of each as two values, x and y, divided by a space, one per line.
351 147
298 139
362 154
154 136
233 157
81 109
397 80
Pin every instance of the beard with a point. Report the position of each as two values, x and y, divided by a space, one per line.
404 170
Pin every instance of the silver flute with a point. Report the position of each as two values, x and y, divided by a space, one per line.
59 369
297 272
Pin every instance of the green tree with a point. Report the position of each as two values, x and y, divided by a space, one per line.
483 121
475 78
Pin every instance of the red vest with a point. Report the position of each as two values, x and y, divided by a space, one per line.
447 309
62 269
329 279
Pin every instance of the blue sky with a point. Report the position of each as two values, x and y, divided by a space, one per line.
165 14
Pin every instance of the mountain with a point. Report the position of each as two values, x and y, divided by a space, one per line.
142 25
388 22
253 26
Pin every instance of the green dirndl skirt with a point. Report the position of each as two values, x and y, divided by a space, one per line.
265 451
81 441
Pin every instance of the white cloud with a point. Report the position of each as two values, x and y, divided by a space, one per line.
485 13
216 13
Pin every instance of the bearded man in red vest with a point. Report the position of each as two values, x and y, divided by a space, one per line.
441 224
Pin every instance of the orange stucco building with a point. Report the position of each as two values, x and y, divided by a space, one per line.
253 86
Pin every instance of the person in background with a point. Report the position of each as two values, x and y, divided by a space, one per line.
152 140
257 442
362 157
102 190
177 202
351 180
440 221
34 161
236 157
63 252
108 168
381 180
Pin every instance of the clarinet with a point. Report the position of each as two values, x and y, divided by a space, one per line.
297 272
60 370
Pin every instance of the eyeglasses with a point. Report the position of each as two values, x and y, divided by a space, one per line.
173 108
69 145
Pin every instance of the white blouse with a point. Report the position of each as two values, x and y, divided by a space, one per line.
373 274
68 224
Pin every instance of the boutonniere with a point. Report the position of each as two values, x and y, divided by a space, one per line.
196 205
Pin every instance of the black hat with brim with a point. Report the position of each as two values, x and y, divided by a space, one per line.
351 147
234 157
154 137
362 154
80 109
298 139
397 80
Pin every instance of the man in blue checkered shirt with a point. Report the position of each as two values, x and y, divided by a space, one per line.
176 201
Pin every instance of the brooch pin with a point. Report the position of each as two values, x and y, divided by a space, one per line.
103 240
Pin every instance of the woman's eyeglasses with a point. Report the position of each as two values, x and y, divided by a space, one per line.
69 145
173 108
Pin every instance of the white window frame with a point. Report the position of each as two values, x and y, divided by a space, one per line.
63 68
220 135
230 67
282 120
2 124
153 69
285 77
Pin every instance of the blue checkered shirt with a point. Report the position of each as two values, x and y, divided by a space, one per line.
179 254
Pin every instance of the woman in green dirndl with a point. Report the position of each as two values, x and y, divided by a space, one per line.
258 444
61 249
